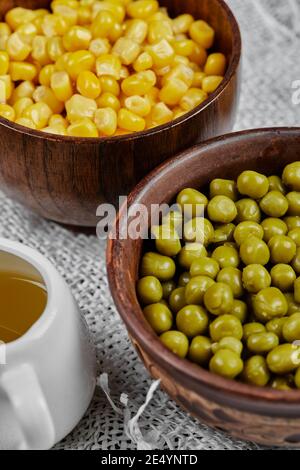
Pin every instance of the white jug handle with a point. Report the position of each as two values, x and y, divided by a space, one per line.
22 388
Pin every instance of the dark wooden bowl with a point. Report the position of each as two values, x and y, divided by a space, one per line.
65 178
262 415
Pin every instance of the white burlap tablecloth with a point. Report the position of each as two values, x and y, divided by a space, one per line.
271 50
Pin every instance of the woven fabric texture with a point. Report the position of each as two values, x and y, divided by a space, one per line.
271 44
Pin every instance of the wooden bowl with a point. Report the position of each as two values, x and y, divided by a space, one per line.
261 415
65 178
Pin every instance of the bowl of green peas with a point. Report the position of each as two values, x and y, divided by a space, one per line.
210 293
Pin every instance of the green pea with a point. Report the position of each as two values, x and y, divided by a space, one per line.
274 204
159 317
200 350
223 233
189 253
166 240
268 304
192 202
276 326
247 210
149 290
184 279
176 342
281 383
196 288
293 199
293 306
222 187
297 378
256 371
297 290
295 236
295 263
239 310
283 276
198 230
229 342
292 222
226 363
177 299
226 256
251 329
246 229
226 325
158 266
275 184
272 226
252 184
168 288
284 359
218 299
192 320
291 328
255 278
205 267
282 249
233 278
221 209
291 176
254 251
173 219
262 343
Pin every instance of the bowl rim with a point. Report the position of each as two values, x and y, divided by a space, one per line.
116 265
230 72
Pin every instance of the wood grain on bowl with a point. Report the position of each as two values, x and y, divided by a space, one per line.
65 178
262 415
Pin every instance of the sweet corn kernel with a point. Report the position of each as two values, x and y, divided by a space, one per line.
79 107
182 23
143 62
99 46
139 83
5 30
116 9
161 114
77 38
202 33
57 120
130 121
62 62
88 84
39 114
20 106
61 86
102 24
108 100
44 94
106 121
84 127
25 122
40 50
9 85
198 79
45 74
179 59
199 55
138 105
4 62
27 32
109 85
137 30
108 64
2 92
181 72
55 130
7 112
211 83
183 47
173 91
22 71
55 48
24 90
54 25
127 50
158 30
192 98
178 112
79 61
17 16
162 53
153 95
142 9
84 15
16 48
215 64
38 21
68 13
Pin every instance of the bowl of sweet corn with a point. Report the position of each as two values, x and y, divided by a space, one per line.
95 93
